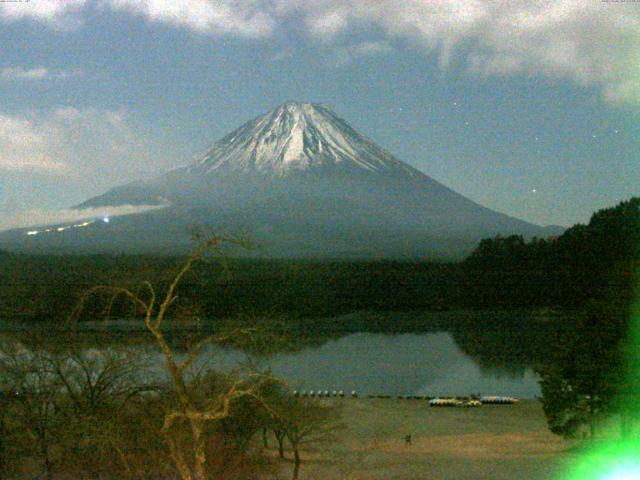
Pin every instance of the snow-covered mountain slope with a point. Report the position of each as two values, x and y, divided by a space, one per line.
297 146
305 183
296 137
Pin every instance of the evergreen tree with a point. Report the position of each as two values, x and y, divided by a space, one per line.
579 382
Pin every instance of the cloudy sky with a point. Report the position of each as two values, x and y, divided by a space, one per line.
528 107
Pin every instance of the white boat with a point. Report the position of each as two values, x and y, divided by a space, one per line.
445 402
498 400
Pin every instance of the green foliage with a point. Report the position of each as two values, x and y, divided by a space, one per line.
580 380
594 261
510 341
42 288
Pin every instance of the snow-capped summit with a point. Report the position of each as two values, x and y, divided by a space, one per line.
295 136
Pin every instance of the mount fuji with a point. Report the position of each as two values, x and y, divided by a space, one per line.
303 183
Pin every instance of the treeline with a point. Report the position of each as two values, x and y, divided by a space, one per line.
593 262
38 288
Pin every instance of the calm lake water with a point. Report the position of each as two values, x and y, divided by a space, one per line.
430 364
407 364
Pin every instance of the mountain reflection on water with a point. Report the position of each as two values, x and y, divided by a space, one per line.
474 354
406 364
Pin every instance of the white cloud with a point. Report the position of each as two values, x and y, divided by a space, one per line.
19 73
71 142
349 54
247 18
37 73
35 218
327 22
24 146
591 42
58 13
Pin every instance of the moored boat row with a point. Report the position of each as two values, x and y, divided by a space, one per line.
469 401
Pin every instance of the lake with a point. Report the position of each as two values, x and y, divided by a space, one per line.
407 364
425 363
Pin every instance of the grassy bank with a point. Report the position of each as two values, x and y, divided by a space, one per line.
489 442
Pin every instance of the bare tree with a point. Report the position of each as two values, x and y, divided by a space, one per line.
98 386
190 457
37 393
7 397
67 408
96 380
302 422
